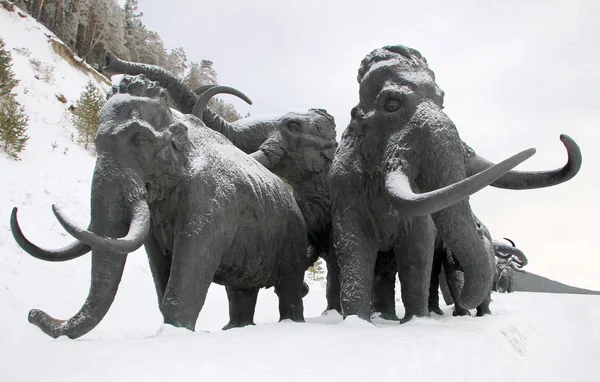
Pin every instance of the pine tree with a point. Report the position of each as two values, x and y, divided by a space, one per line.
316 272
207 73
177 62
13 121
224 109
132 25
13 126
85 116
7 77
204 74
194 77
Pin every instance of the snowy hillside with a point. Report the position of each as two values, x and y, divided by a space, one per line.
534 337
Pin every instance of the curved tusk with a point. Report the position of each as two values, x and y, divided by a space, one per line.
504 251
70 252
138 231
210 92
510 241
527 180
399 188
201 89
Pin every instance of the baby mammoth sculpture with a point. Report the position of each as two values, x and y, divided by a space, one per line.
203 209
399 178
508 259
448 274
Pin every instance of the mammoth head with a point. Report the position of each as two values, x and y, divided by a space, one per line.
138 130
394 81
307 139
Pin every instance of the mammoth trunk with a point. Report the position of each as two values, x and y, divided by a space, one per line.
107 269
458 230
118 210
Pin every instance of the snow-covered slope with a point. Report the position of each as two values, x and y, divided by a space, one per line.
530 336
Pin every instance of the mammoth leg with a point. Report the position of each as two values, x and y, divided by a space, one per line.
434 295
484 307
190 278
509 288
445 288
333 281
414 256
160 266
242 303
291 287
196 256
289 291
356 256
456 279
383 298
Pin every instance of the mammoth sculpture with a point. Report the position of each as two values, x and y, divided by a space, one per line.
400 143
510 259
398 177
448 273
299 148
296 146
203 209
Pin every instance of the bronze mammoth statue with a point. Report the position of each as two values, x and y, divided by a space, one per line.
204 210
400 179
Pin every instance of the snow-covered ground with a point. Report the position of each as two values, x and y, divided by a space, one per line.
534 337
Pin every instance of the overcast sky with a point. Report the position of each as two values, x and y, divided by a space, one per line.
516 74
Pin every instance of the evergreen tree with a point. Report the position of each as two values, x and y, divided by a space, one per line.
13 126
177 62
194 77
316 272
207 73
224 109
7 77
13 121
85 116
204 74
132 26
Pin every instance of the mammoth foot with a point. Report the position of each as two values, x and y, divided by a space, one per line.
49 325
232 325
391 316
459 311
409 316
436 309
483 312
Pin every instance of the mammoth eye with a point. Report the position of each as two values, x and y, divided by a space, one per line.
293 126
140 139
392 105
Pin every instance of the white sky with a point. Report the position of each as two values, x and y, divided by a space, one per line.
516 74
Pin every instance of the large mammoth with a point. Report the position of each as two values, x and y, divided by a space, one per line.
397 157
204 210
398 179
296 146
